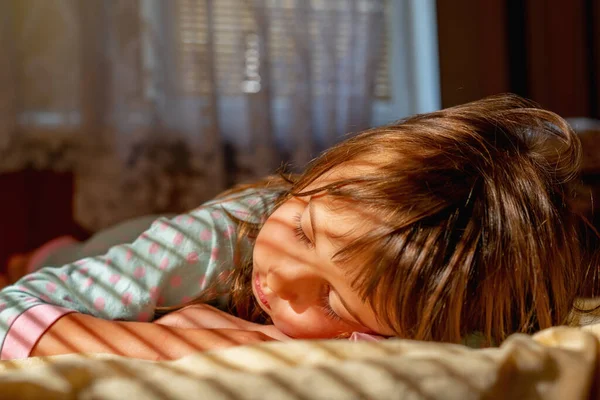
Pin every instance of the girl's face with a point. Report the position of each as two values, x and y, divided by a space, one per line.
295 280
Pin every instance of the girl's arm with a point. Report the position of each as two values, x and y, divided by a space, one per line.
80 333
203 316
169 264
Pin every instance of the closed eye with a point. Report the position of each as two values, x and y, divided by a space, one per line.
326 306
299 232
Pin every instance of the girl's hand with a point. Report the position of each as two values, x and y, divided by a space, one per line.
80 333
183 342
202 316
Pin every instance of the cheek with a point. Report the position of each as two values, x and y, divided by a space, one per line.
267 247
277 236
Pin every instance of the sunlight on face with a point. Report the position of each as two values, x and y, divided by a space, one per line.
295 280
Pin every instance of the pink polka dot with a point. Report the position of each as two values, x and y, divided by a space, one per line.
30 278
143 316
163 225
2 306
45 298
189 220
99 303
202 281
229 232
88 282
176 281
51 287
161 301
144 235
63 277
205 235
67 298
178 239
30 300
192 257
214 254
114 278
126 299
164 264
139 272
179 218
81 262
128 255
84 270
186 299
153 248
216 215
154 291
108 262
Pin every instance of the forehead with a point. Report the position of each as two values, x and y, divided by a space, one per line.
341 220
343 213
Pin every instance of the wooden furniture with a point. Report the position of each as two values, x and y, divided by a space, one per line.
35 206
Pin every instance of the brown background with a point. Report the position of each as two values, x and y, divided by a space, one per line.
546 50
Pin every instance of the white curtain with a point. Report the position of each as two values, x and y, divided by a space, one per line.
157 105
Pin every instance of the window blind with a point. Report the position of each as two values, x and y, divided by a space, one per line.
236 46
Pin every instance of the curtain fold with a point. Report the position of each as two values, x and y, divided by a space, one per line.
159 105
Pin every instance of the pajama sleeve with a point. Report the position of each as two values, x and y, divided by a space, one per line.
169 264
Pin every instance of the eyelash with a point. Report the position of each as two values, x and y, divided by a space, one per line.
299 232
326 307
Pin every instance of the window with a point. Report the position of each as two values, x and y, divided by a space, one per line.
409 48
236 52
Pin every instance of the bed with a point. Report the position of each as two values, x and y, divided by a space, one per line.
557 363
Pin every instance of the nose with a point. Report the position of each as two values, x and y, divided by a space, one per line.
298 285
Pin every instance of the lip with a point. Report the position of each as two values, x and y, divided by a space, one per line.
261 295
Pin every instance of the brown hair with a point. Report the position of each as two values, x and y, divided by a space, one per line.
477 234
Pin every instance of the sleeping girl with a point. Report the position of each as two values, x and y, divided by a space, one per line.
438 227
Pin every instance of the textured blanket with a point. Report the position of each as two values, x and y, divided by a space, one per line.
558 363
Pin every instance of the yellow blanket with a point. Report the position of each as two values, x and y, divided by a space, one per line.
558 363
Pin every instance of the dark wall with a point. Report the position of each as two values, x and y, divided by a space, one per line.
473 51
546 50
